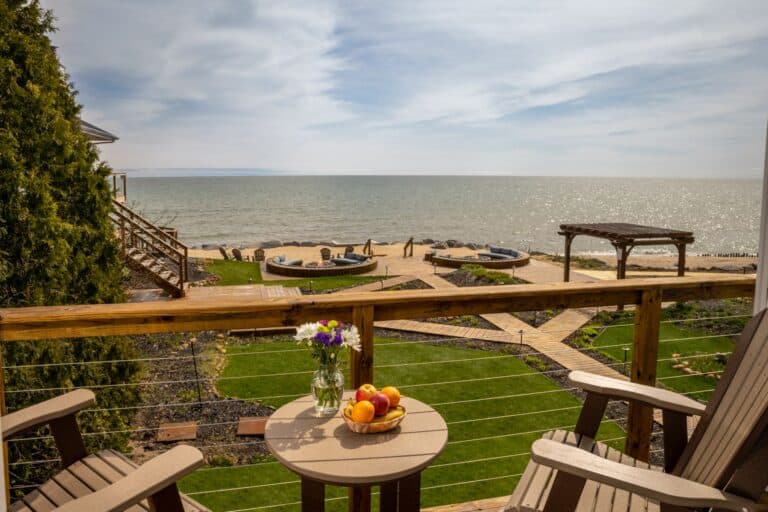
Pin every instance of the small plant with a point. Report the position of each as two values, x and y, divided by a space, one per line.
221 461
536 363
470 320
494 276
259 457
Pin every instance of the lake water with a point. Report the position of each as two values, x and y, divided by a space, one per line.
522 212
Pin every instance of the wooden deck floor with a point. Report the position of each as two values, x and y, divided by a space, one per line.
488 505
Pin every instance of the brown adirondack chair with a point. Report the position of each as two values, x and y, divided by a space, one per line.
724 465
105 481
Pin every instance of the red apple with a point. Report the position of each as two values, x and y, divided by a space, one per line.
365 392
380 403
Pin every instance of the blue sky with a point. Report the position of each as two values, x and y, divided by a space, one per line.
620 88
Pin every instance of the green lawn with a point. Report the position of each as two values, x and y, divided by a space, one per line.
243 272
674 338
490 430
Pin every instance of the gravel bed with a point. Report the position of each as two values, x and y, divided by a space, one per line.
216 416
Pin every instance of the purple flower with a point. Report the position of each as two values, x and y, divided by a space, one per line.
337 339
324 338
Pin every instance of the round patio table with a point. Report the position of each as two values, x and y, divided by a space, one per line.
322 450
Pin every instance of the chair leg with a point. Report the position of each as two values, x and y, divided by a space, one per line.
166 500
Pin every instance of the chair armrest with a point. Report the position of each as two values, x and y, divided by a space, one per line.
626 390
646 482
152 476
39 414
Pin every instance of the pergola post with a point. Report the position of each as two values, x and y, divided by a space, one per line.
680 259
567 263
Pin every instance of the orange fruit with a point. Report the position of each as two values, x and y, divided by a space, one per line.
393 394
363 412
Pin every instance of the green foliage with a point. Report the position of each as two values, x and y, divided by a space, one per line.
221 461
535 362
56 241
494 276
469 320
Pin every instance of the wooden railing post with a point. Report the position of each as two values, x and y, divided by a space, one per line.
645 353
362 362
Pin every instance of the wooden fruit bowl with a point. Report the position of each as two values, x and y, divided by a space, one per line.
375 426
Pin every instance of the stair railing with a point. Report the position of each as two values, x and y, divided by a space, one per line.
126 213
136 235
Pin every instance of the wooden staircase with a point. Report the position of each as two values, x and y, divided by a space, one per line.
148 248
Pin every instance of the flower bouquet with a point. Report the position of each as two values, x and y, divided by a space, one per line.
325 339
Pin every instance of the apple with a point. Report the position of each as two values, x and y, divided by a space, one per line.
380 403
365 392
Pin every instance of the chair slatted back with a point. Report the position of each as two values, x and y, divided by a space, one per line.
737 415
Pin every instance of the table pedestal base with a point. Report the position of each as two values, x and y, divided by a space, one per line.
402 495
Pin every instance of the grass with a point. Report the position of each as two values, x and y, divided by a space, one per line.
673 339
486 420
233 273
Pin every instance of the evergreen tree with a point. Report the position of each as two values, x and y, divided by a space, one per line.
57 240
57 244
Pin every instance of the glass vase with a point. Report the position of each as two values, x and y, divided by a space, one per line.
327 388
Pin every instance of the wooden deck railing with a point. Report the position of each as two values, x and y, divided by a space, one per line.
364 308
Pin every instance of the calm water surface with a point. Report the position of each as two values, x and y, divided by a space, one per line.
522 212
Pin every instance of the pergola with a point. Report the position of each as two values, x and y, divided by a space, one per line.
624 237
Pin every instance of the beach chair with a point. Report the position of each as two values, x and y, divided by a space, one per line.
325 254
223 252
723 466
237 254
104 481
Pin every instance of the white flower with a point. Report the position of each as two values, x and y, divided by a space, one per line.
306 331
351 338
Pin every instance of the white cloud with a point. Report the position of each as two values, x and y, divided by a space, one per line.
550 87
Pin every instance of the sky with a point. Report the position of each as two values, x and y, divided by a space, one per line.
572 88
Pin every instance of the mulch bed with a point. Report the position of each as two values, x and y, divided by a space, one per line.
217 417
464 321
416 284
462 278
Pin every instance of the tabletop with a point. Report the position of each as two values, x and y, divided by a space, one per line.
324 449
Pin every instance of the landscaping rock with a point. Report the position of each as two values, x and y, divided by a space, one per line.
427 241
307 244
439 245
271 244
453 243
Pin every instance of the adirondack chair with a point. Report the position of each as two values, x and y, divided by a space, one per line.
105 481
724 465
